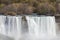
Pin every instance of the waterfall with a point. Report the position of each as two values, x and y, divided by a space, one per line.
2 24
42 26
16 27
13 25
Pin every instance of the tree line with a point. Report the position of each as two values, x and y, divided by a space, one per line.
45 7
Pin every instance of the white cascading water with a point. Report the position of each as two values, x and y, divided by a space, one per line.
34 26
13 25
2 24
42 26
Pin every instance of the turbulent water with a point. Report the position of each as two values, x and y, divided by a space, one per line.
30 29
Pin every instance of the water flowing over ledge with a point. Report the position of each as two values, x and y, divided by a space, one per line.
33 26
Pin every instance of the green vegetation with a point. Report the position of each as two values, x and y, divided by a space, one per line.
29 6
